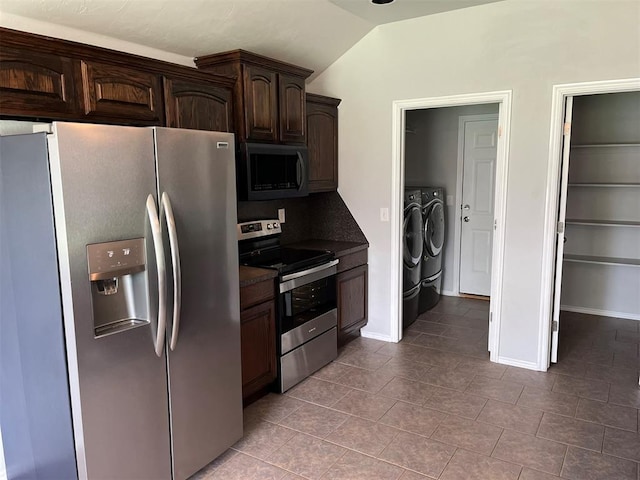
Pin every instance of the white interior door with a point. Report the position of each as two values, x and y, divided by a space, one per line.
478 186
562 214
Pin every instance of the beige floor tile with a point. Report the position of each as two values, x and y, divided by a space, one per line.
368 380
365 405
625 396
407 390
404 368
438 358
369 344
314 420
355 466
332 372
432 328
482 367
468 434
607 414
207 472
470 466
244 467
530 451
413 418
571 431
363 435
621 443
363 359
553 402
513 417
534 379
318 391
496 389
529 474
582 387
453 379
307 456
458 403
263 438
273 408
585 465
418 453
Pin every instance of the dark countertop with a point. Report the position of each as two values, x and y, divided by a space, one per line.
339 248
251 275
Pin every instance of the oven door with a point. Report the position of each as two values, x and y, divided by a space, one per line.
307 305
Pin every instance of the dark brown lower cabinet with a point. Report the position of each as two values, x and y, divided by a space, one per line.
352 302
258 339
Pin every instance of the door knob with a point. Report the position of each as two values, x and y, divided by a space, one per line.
466 219
466 207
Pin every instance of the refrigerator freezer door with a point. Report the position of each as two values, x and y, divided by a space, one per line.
197 173
101 177
35 414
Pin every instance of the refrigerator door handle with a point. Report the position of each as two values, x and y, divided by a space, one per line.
167 210
158 248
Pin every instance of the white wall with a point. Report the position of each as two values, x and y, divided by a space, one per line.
431 159
526 46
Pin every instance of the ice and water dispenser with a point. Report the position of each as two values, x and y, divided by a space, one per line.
118 285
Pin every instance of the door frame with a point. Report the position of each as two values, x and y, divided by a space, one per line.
558 97
504 100
457 231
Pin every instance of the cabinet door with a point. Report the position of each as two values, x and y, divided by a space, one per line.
36 85
258 339
352 299
121 93
197 105
322 142
260 104
292 109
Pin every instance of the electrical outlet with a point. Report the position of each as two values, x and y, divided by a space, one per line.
384 214
281 217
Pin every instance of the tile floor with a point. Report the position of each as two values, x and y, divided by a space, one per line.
433 406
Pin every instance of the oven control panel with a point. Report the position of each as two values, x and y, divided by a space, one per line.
258 228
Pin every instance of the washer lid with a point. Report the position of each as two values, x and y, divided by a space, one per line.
412 228
434 229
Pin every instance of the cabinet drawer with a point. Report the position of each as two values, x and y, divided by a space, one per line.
352 260
256 293
116 92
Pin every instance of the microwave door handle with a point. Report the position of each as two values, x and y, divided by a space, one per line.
301 172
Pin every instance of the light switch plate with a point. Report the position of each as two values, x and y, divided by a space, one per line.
281 216
449 200
384 214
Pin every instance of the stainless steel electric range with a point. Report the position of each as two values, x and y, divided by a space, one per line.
307 318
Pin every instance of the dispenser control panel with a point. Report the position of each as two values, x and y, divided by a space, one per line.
115 259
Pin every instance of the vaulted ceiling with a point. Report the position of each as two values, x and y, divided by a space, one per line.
310 33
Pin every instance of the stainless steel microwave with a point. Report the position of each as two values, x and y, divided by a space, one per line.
268 172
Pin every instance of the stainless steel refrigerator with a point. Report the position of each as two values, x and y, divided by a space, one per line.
119 302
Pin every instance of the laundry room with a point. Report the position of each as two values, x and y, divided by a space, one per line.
449 175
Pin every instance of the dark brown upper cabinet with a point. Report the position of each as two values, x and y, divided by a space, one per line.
53 79
269 103
112 91
36 84
322 142
197 104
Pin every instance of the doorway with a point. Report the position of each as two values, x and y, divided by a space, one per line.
593 228
401 108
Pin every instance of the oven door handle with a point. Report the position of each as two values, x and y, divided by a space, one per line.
297 279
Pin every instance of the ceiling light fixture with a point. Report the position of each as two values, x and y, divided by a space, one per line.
381 2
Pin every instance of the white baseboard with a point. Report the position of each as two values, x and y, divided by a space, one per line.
449 293
518 363
602 313
376 336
